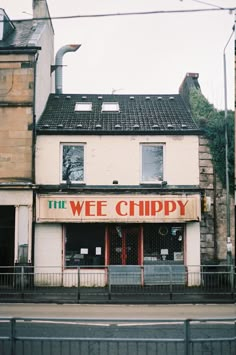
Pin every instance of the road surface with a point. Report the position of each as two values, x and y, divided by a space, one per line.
119 311
102 329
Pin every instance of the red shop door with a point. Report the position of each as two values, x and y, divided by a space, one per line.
124 245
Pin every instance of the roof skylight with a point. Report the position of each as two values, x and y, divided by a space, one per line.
110 106
83 106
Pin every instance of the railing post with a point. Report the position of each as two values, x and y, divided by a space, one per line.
232 280
171 282
235 328
109 282
142 275
22 276
78 287
13 336
186 336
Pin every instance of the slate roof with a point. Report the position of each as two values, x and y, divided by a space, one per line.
138 114
21 35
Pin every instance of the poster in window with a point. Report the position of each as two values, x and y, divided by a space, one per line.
178 256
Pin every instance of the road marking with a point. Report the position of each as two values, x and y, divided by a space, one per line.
65 322
121 324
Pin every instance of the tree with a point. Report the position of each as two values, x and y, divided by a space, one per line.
213 124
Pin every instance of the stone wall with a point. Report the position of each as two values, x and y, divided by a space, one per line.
16 116
213 223
16 78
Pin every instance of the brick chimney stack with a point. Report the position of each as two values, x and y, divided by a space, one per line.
190 82
40 9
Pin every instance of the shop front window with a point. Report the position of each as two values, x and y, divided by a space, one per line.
84 244
163 243
152 163
72 163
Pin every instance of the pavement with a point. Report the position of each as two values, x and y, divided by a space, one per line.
108 311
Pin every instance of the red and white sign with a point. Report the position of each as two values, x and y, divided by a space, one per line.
118 208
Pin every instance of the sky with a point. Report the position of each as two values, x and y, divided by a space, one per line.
142 54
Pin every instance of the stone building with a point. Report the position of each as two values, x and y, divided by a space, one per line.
26 56
214 219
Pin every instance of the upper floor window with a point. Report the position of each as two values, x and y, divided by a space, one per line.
72 163
152 163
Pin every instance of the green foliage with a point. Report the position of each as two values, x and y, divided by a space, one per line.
213 124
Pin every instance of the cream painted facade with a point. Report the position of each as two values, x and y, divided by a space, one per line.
109 158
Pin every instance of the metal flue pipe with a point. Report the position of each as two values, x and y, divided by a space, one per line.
58 64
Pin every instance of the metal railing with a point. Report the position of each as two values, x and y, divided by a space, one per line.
106 284
55 336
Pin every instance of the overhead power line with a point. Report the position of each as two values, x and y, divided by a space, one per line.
134 13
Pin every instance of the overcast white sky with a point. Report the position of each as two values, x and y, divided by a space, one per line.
147 54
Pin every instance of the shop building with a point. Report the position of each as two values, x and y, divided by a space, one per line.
26 55
117 185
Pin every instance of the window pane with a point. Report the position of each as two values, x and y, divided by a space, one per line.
152 162
110 106
84 244
83 106
163 242
73 163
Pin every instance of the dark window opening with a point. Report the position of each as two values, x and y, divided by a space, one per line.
7 233
84 244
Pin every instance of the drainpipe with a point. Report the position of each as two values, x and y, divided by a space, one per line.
33 216
58 64
215 216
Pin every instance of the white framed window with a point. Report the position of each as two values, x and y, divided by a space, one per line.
110 106
152 161
72 162
83 106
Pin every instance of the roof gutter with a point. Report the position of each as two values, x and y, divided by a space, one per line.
56 131
19 50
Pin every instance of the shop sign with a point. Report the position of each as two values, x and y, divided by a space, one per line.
118 208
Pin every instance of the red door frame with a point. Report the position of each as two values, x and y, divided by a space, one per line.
123 246
123 254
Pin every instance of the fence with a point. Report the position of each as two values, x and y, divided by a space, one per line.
109 284
54 336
